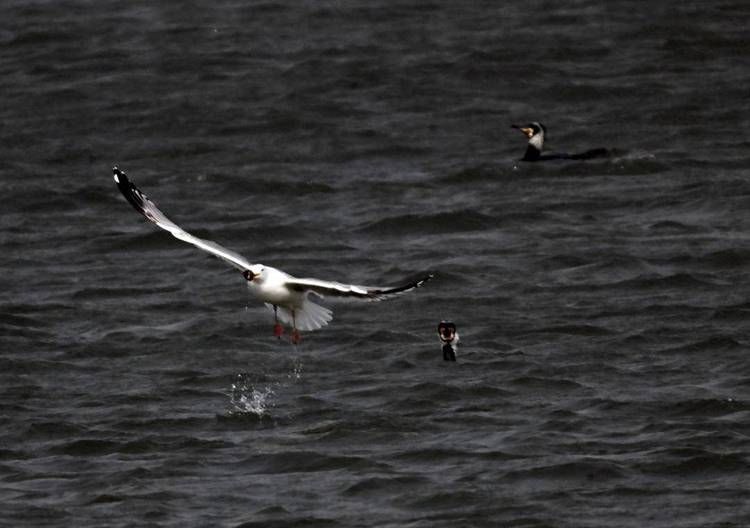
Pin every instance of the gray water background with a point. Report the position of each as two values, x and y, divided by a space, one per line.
603 377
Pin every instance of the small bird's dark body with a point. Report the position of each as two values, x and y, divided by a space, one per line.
536 133
449 338
448 353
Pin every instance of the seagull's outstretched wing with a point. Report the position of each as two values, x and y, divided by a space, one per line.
148 209
369 293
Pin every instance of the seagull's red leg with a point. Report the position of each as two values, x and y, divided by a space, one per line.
295 333
277 328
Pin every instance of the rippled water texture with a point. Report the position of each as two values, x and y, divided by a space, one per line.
603 307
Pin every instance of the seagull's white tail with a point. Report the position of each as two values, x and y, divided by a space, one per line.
310 317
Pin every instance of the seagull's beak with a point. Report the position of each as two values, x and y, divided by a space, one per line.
249 275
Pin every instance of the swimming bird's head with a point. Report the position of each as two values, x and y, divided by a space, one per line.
447 331
535 132
532 129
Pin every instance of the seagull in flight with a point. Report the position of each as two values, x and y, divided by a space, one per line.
287 296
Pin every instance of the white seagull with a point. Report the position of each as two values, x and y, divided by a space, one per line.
287 296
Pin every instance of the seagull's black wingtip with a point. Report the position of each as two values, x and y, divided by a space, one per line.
131 193
118 175
428 276
121 179
409 284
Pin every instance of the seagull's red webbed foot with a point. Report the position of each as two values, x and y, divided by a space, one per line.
277 328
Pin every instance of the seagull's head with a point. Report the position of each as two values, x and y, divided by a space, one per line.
255 273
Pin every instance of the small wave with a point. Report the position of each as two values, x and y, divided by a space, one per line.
483 173
50 429
307 462
587 469
735 312
696 462
104 292
573 329
23 326
546 383
254 187
106 499
401 364
88 448
727 258
376 485
675 280
707 407
712 344
563 262
34 37
433 454
457 221
289 520
442 501
138 332
673 227
12 454
60 200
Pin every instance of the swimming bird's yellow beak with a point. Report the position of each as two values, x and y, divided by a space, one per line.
528 132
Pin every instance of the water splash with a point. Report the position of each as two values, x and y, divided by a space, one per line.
296 373
247 399
256 394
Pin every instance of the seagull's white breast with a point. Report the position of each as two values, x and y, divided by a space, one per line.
271 287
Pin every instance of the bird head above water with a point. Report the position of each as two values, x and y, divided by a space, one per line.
447 331
532 129
535 131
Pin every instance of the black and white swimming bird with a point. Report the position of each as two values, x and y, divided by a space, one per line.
449 339
287 296
536 131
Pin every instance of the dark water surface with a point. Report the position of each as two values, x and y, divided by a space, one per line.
604 307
